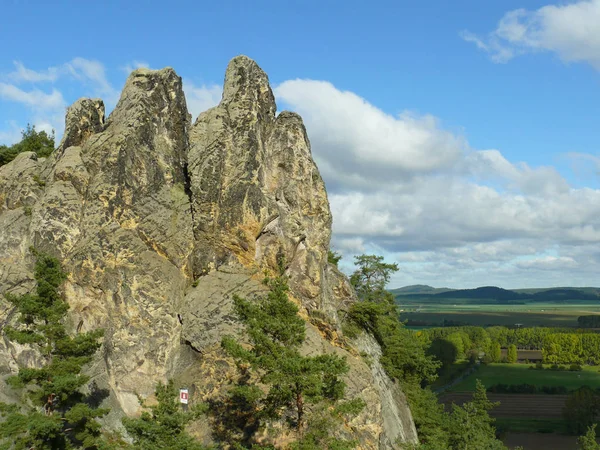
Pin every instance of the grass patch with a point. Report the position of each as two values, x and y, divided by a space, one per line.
492 374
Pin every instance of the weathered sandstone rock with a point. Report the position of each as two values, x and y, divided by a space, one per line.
159 223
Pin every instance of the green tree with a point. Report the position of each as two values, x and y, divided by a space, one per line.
276 332
511 354
471 426
444 350
588 440
59 416
460 343
403 353
371 277
582 409
163 427
39 142
495 352
431 421
333 258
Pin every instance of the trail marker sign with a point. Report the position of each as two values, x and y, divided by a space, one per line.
183 396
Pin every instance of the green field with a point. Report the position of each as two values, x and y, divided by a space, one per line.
539 314
521 374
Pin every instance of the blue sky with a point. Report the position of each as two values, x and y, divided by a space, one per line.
481 117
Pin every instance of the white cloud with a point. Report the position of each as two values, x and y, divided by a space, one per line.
35 98
23 74
201 98
362 140
571 31
449 214
90 71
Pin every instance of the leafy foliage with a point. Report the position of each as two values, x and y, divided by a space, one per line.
31 141
164 425
464 427
60 415
371 277
588 440
404 358
333 258
511 354
495 352
444 350
582 409
471 427
403 354
276 332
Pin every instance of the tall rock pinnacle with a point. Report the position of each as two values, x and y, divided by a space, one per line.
257 195
159 223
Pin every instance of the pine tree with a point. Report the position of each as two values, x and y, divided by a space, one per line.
371 277
59 416
163 427
471 426
276 332
403 355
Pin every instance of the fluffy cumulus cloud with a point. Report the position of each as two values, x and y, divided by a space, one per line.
39 92
569 30
405 187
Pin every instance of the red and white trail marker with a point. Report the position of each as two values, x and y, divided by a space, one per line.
183 396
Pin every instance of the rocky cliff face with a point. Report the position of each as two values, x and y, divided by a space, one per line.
159 222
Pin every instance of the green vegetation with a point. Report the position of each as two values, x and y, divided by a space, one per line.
468 426
493 374
571 348
495 352
32 141
405 358
588 440
582 409
164 425
371 277
58 415
276 332
511 356
333 258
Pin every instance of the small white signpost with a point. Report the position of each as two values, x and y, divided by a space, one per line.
183 396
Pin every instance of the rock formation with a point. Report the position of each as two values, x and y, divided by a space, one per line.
160 222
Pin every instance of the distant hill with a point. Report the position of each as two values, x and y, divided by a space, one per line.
586 290
494 294
488 292
418 289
